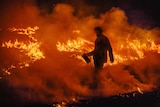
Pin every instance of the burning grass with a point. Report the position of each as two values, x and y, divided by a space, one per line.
47 64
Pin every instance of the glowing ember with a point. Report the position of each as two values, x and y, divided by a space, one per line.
139 90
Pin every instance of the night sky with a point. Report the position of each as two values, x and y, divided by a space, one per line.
140 12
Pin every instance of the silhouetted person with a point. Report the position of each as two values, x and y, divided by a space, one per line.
102 45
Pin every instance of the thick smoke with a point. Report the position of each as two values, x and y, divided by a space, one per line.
61 77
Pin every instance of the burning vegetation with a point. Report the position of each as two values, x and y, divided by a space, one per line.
44 62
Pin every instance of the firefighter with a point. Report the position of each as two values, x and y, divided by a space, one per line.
102 45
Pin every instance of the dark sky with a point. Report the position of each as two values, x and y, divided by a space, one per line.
139 12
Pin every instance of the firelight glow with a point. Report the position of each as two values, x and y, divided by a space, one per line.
44 62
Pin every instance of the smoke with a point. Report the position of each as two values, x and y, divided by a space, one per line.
60 77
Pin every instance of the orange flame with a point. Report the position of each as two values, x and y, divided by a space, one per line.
77 45
134 49
28 31
28 48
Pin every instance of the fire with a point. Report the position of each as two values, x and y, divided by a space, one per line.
29 31
29 48
139 90
134 49
77 45
58 78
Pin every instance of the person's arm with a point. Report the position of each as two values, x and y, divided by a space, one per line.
111 55
110 51
90 53
95 49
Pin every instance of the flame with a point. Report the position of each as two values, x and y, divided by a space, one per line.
29 48
29 31
134 49
60 79
139 90
77 45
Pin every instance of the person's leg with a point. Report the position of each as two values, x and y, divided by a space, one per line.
98 65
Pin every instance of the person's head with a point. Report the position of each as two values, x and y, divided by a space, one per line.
98 30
